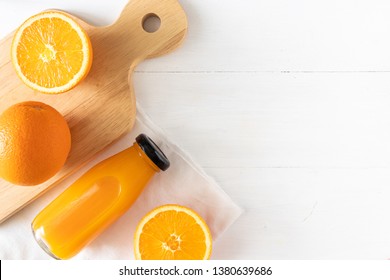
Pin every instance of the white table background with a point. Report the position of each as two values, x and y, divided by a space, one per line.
287 105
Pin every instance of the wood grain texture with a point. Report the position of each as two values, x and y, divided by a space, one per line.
102 107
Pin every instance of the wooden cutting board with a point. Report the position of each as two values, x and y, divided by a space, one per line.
102 108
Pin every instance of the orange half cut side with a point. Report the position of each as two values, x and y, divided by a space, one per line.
51 53
172 232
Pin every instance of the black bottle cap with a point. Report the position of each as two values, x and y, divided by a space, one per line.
153 151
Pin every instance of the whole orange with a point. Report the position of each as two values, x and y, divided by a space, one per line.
34 143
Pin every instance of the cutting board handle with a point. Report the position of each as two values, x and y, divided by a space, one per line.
129 29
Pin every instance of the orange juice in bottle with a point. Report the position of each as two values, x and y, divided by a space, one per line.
97 199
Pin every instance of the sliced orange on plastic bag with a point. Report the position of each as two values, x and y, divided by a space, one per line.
172 232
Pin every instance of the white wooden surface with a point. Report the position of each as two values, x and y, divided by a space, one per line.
287 105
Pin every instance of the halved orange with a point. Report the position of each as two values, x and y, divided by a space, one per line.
51 52
172 232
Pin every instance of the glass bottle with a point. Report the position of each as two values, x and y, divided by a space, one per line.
97 199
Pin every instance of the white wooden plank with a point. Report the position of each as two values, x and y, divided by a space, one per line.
306 213
255 35
279 35
99 12
274 120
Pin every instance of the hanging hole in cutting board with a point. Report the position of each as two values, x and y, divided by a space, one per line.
151 23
